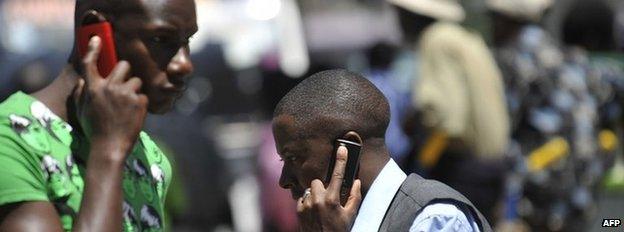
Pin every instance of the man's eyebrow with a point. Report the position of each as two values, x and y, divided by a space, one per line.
282 152
161 26
166 27
285 151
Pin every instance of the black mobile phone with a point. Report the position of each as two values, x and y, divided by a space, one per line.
352 168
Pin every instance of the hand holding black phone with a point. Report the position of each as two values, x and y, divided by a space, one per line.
351 170
332 205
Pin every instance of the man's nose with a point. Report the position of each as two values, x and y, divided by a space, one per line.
180 65
285 180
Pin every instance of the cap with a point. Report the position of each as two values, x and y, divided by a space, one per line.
448 10
527 10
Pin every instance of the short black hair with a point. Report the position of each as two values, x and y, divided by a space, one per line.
110 8
334 102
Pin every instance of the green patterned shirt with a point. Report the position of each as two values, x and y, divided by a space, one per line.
42 160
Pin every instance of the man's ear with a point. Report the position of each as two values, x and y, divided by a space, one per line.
353 136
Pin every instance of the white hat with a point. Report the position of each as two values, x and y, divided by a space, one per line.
529 10
449 10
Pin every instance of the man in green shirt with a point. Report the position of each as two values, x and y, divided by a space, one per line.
72 155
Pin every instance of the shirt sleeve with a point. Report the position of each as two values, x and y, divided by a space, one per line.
445 218
20 175
441 92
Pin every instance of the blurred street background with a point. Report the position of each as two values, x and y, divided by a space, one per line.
559 64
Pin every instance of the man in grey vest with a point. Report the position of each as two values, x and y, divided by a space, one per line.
340 104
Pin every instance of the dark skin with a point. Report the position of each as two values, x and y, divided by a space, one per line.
152 44
306 164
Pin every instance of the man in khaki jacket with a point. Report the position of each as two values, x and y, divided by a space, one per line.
459 93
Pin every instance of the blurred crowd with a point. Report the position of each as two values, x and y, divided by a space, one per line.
517 104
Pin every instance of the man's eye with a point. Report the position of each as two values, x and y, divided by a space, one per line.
161 40
157 39
289 158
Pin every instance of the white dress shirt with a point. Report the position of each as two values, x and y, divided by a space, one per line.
434 217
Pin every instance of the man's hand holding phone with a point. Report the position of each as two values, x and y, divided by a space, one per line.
111 109
320 208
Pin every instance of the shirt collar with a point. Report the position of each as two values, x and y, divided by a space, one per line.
379 197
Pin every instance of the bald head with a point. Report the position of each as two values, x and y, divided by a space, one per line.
333 102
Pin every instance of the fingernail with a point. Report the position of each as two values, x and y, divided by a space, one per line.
342 148
94 41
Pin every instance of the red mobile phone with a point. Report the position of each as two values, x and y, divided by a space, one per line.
351 170
93 23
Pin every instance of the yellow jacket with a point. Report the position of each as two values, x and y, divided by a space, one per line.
460 89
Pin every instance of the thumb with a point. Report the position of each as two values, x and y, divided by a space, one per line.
355 197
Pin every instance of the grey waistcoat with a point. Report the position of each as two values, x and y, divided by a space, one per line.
417 192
